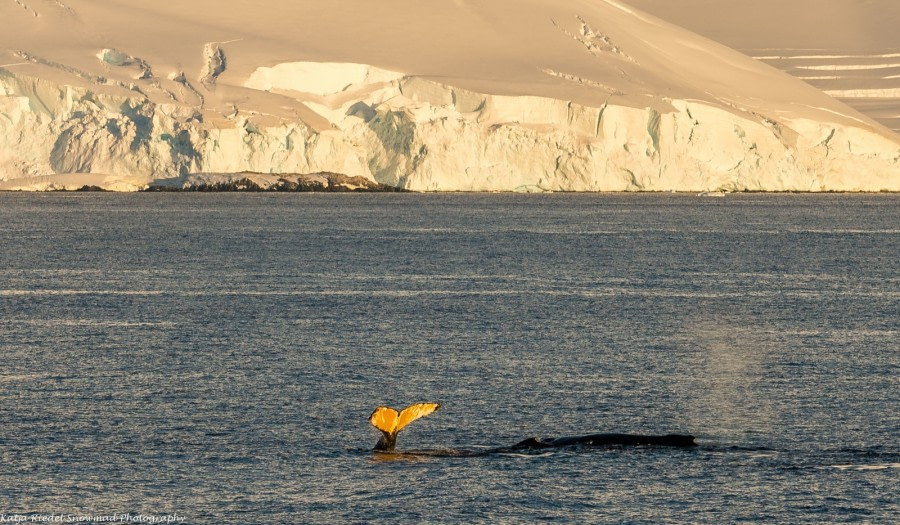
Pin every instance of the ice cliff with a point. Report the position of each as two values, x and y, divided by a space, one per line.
618 132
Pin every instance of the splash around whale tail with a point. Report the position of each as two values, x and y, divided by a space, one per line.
390 422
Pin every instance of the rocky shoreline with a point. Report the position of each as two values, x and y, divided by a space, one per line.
286 182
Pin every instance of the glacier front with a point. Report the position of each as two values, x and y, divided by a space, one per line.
593 96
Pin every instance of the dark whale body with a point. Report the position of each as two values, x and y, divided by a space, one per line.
537 444
608 440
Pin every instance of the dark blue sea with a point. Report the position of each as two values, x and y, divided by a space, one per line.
215 357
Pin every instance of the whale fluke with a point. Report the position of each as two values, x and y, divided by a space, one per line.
390 422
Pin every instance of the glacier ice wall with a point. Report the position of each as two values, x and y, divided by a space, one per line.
423 135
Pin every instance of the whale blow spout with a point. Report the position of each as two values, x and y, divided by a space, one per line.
390 422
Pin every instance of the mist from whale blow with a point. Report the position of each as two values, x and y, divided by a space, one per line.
390 422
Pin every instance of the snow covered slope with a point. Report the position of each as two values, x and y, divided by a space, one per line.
848 48
453 95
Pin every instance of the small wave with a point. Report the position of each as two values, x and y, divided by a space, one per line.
21 378
91 322
525 455
13 293
760 451
883 466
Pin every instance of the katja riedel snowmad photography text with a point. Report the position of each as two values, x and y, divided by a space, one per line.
112 517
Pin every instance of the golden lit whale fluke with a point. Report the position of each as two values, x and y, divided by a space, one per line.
390 422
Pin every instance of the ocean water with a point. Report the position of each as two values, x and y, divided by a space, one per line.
215 357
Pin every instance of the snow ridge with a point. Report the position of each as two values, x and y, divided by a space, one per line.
214 64
869 82
24 6
595 42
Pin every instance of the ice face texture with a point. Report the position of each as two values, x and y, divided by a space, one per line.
445 96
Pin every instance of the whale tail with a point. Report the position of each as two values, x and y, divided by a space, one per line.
390 422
